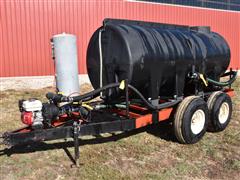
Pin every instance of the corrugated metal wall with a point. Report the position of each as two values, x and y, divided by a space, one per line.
26 27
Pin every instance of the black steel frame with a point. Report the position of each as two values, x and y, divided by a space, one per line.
71 131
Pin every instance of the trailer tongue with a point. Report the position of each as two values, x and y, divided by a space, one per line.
191 96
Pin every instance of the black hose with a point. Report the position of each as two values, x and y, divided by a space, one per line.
160 106
95 93
57 98
227 83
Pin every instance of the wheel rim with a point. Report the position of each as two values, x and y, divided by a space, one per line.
197 121
223 113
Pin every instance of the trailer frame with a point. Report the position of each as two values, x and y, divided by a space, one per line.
111 120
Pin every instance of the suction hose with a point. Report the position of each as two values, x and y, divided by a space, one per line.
226 83
95 93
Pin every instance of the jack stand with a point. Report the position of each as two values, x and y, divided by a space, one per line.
76 130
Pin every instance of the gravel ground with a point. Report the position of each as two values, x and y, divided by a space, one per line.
33 82
26 83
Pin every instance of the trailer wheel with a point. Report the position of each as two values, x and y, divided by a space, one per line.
220 110
191 120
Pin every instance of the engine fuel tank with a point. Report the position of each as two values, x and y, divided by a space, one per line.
154 56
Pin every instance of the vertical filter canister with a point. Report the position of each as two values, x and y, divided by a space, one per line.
66 63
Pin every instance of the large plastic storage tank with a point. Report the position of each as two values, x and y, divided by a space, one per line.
155 57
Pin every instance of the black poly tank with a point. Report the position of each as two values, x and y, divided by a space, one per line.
155 55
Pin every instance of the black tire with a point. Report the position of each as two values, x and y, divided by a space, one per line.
217 103
184 117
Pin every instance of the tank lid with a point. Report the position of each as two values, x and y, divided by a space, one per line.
203 29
